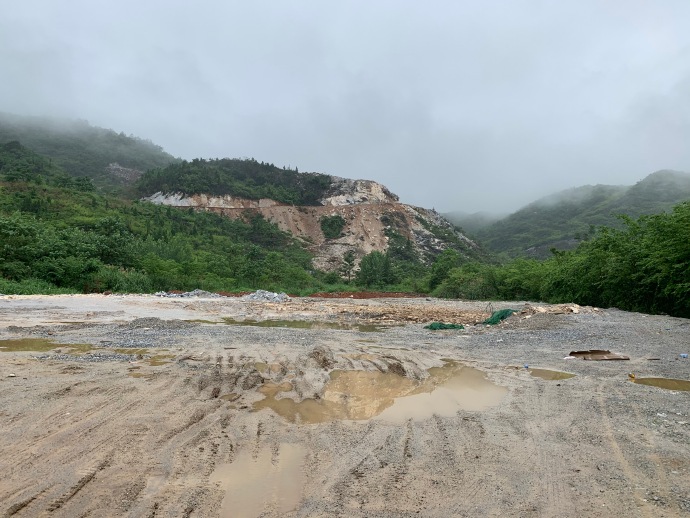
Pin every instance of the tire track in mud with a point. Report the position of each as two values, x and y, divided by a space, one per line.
653 446
196 445
65 445
638 475
553 494
134 447
624 466
520 438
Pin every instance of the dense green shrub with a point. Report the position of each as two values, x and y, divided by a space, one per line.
332 226
232 176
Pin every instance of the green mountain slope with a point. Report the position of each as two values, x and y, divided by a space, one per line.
84 150
231 176
564 219
57 233
19 164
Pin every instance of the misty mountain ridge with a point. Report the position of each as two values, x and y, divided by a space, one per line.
366 216
472 222
565 218
137 168
111 160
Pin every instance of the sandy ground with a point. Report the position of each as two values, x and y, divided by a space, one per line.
176 413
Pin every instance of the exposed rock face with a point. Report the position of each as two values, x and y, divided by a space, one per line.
349 192
373 216
210 202
124 173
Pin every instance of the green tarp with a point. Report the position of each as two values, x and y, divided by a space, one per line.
499 315
435 326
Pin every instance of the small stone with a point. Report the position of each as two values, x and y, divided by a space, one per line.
11 375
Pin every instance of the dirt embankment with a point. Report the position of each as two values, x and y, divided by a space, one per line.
144 406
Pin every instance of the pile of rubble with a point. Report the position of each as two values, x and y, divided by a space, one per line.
257 296
266 296
195 293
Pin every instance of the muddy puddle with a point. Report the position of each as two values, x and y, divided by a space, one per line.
664 383
159 359
41 345
362 395
305 324
271 480
550 375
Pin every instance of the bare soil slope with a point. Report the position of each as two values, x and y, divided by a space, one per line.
174 412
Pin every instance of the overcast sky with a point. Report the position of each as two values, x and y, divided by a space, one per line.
456 105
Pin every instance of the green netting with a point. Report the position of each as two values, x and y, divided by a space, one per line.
435 326
499 315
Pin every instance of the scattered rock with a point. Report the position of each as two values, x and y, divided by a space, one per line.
266 296
323 357
194 293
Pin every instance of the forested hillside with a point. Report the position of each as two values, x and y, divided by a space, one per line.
564 219
643 266
83 150
242 178
57 233
60 233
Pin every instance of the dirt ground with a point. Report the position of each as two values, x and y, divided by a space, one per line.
145 406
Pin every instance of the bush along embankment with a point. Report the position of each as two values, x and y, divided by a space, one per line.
643 266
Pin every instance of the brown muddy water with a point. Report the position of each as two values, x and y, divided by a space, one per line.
550 375
664 383
159 359
254 483
40 345
304 324
362 395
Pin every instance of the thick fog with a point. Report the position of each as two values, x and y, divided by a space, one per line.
453 105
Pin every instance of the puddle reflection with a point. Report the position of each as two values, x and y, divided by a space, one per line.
271 480
305 324
362 395
664 383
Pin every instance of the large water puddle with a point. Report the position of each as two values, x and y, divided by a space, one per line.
362 395
550 375
40 345
305 324
664 383
268 481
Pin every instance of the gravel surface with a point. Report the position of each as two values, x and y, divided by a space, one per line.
152 418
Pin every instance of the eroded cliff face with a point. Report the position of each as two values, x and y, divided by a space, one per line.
373 218
344 191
